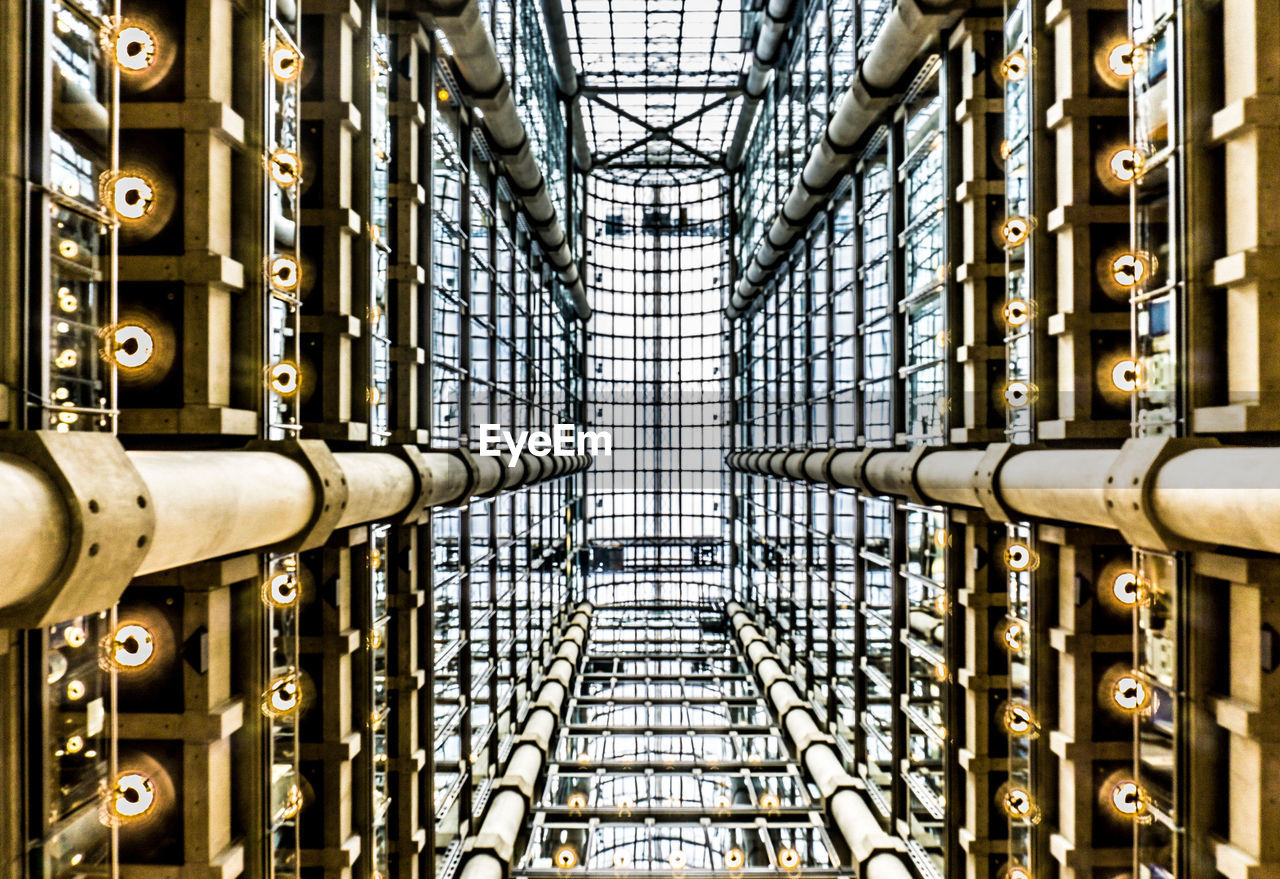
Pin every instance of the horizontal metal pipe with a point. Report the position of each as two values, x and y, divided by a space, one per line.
773 27
1200 496
873 848
909 27
504 817
481 71
217 503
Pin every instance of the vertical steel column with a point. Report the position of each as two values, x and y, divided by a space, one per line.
466 800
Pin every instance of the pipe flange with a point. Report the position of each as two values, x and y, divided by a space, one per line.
422 480
500 486
857 475
777 465
110 519
505 153
1128 491
793 464
987 474
488 844
907 470
816 466
328 481
468 460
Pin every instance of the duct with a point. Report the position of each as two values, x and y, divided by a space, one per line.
489 854
217 503
877 853
773 27
481 72
909 27
1159 493
567 78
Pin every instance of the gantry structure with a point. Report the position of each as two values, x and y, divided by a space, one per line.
936 529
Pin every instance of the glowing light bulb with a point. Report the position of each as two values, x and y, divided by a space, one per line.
75 744
566 858
67 300
1017 394
283 696
1019 557
769 801
1128 269
1125 375
621 860
283 378
1129 692
1127 798
1011 635
284 167
132 197
1017 803
75 690
1018 720
940 537
1014 68
788 858
1015 231
584 757
286 63
281 590
1125 164
1004 149
132 646
1017 312
133 346
66 359
734 859
443 94
1125 587
577 801
75 636
132 795
677 859
135 49
284 272
1017 871
1121 58
68 248
940 671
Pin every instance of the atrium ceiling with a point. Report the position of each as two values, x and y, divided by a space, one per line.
661 80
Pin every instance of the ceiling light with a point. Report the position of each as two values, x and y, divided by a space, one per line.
1125 375
283 378
286 63
132 196
1129 693
1127 798
284 167
788 858
566 858
133 346
134 49
132 646
1121 59
132 795
1015 231
1019 557
1125 164
1017 312
281 590
1014 68
1018 394
734 859
1125 587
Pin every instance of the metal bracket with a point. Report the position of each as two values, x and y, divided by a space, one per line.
986 475
1128 490
907 473
328 481
109 523
473 474
418 510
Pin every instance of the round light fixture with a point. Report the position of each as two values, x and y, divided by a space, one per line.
133 347
132 795
132 646
134 48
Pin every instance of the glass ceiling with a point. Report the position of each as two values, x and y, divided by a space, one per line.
660 77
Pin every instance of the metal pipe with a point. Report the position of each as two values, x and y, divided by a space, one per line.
876 852
219 503
482 74
504 817
566 77
908 28
773 27
1200 496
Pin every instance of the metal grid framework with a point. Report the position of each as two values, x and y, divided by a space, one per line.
659 77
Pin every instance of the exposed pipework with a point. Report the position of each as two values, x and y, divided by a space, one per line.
481 72
567 78
773 27
877 853
1160 493
489 854
83 517
908 28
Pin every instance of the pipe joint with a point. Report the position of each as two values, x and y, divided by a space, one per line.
1129 485
986 478
416 511
472 467
327 480
108 521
